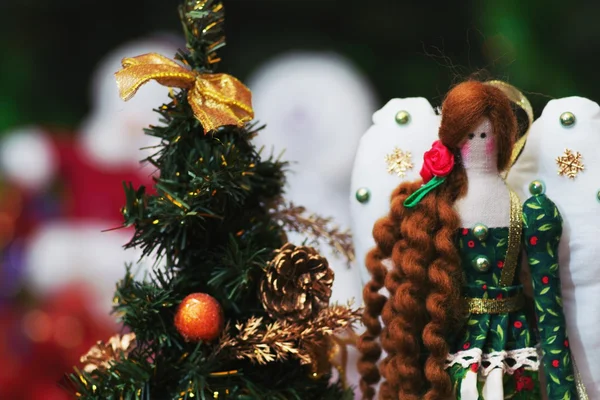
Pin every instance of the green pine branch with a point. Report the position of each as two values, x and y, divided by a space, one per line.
209 221
203 28
285 383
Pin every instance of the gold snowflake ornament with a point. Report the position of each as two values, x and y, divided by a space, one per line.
398 162
569 164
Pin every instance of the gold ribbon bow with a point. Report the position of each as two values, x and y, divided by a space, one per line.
216 99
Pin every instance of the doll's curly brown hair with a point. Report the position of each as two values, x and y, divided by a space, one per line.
424 283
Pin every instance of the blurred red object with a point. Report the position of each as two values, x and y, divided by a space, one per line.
94 191
41 342
84 187
75 196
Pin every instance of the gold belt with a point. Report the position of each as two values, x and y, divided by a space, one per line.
495 306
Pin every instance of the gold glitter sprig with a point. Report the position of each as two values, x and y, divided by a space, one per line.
101 355
281 340
297 219
338 352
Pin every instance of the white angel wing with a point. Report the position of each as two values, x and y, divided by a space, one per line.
52 260
372 184
578 201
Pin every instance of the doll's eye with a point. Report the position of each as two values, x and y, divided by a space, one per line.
471 136
483 135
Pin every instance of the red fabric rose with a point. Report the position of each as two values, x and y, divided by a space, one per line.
474 367
471 244
545 280
500 264
438 161
566 343
465 231
555 363
466 345
533 241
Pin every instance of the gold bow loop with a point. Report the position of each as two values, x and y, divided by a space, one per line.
216 99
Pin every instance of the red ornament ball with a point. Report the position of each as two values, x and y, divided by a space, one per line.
199 317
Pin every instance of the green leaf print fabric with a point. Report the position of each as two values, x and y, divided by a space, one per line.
508 340
542 225
490 332
485 335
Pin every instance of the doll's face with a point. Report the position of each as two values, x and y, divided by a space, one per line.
479 149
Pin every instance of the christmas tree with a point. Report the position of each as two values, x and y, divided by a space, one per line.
236 312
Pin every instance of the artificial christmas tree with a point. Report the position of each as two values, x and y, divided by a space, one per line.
217 223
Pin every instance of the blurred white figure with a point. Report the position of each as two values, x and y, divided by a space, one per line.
578 200
316 106
26 157
402 126
105 151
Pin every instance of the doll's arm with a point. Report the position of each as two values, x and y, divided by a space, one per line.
542 232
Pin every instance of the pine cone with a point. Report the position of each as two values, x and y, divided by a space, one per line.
297 283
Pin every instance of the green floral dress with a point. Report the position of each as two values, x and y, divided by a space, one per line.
498 353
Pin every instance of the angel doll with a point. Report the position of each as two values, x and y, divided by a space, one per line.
455 323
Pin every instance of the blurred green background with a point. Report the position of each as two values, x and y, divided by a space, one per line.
406 48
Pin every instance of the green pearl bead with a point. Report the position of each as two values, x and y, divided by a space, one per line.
402 117
537 187
363 195
481 263
480 231
567 119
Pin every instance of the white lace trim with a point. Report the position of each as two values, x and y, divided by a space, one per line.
509 361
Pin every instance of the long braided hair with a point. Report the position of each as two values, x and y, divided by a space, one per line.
425 303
